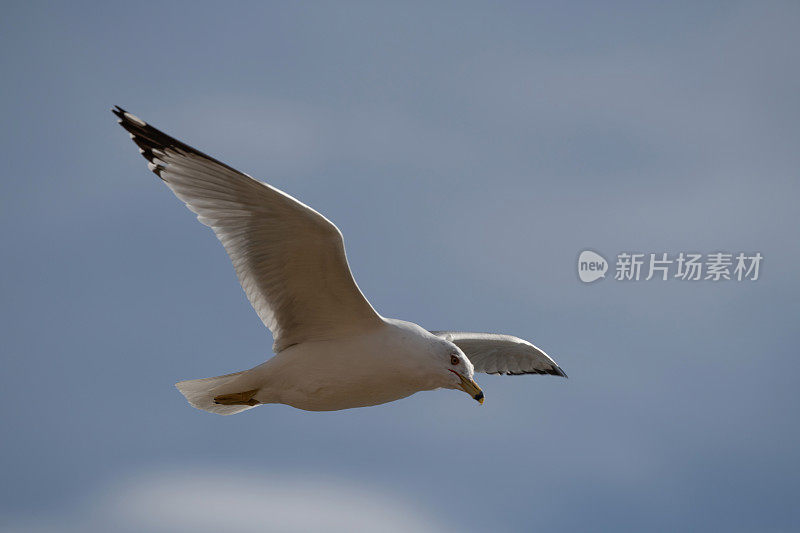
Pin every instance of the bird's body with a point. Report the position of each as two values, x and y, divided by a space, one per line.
381 365
333 350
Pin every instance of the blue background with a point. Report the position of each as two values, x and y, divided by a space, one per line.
468 152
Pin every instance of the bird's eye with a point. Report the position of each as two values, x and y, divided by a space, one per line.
453 360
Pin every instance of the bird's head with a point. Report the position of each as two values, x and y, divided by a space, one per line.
457 370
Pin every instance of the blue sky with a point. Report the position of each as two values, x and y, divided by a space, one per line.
468 153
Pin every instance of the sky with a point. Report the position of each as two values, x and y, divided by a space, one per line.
468 152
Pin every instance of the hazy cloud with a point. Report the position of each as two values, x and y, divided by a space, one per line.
199 501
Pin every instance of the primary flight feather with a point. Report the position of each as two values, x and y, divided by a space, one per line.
332 350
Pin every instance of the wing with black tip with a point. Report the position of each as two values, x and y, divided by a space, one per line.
289 259
491 353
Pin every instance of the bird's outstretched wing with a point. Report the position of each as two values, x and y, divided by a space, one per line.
289 259
491 353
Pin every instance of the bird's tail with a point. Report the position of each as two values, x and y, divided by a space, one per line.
201 392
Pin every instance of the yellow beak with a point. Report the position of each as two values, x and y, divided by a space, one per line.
471 388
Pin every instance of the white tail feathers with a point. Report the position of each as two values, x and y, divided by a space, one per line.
200 393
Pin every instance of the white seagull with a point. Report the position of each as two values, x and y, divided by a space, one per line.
332 349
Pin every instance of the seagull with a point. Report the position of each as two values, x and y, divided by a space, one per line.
332 349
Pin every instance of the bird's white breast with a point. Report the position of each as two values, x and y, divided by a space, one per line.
388 363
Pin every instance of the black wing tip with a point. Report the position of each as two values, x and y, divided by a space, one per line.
127 117
148 138
119 112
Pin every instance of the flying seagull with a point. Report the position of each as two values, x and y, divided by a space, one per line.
332 349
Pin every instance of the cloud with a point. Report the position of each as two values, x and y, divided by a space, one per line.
213 501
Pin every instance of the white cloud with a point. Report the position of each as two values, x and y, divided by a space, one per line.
197 501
